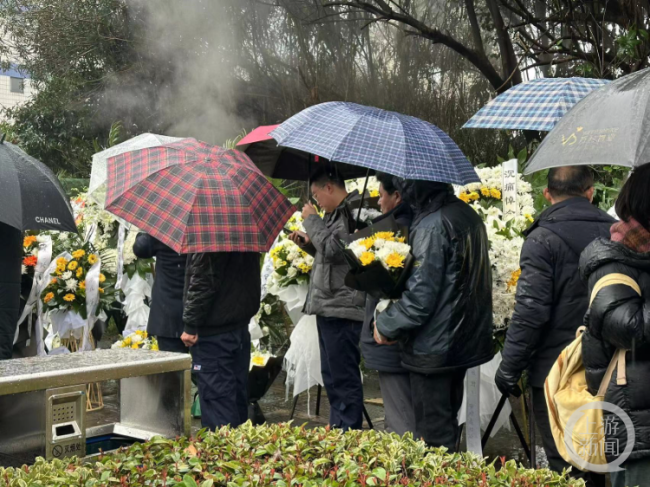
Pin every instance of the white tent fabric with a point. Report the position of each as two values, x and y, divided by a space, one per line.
98 174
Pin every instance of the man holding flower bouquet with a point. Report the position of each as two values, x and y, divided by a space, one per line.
443 319
339 310
394 379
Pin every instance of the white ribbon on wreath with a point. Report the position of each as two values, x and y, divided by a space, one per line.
302 360
92 303
135 290
42 264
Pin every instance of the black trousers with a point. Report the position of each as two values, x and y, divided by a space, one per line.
555 460
221 363
436 401
340 358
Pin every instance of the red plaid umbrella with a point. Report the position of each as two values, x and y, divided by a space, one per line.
196 197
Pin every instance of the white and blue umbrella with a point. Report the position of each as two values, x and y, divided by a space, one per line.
535 105
377 139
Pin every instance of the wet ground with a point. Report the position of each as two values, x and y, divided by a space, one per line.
277 409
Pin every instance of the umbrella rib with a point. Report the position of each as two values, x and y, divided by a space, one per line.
184 244
334 157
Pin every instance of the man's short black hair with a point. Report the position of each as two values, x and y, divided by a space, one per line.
569 181
387 181
634 199
326 173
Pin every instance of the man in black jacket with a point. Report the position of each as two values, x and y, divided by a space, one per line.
444 317
166 314
222 294
551 298
394 379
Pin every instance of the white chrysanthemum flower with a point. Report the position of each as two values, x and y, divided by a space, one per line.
135 338
357 248
66 275
71 285
118 344
402 249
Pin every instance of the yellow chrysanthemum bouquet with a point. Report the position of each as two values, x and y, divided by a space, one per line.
67 287
380 258
138 340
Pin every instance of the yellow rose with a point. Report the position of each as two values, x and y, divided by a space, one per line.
48 297
61 262
395 260
390 236
367 258
258 360
495 193
29 240
368 242
92 258
82 285
69 297
73 265
514 278
80 272
102 277
78 254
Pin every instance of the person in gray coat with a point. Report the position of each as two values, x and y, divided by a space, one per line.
394 379
339 309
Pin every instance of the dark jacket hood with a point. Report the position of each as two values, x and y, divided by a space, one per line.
572 220
603 251
402 213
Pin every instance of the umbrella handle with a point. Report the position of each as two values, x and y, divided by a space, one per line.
363 194
309 177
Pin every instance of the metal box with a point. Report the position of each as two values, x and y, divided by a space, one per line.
43 400
65 431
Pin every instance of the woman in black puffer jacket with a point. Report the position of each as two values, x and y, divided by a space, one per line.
619 319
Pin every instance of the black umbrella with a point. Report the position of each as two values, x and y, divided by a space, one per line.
286 163
32 198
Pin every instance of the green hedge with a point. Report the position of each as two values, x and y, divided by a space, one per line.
281 455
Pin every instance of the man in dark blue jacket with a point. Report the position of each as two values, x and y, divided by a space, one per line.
393 378
551 297
166 314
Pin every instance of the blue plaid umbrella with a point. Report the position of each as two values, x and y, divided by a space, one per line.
535 105
377 139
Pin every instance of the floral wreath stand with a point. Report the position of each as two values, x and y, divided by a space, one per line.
94 397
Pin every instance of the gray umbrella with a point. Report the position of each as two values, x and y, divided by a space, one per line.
610 126
32 198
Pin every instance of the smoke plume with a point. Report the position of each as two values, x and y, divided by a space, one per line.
188 51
